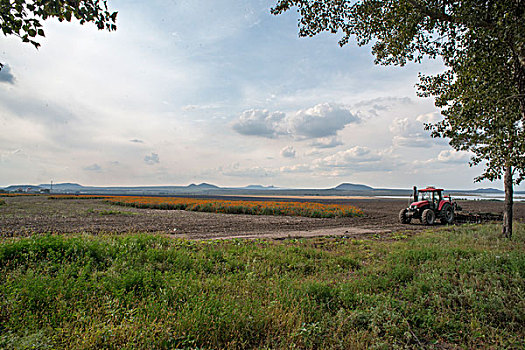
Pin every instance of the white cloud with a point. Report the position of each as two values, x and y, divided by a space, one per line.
6 155
355 159
443 159
415 140
452 156
93 167
261 123
326 142
236 170
196 108
298 168
378 105
433 117
152 159
411 133
384 102
350 158
400 126
322 120
288 152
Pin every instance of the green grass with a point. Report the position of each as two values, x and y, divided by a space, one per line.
460 286
111 212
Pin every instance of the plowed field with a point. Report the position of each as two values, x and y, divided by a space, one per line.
22 216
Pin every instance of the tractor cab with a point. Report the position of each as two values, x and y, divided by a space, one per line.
433 196
428 197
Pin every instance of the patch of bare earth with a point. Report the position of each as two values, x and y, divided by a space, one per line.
22 216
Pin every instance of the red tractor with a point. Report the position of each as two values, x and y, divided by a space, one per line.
431 206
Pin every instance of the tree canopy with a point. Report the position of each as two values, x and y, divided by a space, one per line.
480 97
22 18
482 44
407 30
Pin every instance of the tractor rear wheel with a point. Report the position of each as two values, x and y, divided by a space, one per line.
447 214
428 217
403 217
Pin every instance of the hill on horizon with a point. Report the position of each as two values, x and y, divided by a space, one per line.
353 187
202 185
62 185
488 190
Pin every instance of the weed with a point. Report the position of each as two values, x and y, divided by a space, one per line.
399 236
84 196
455 287
110 212
116 212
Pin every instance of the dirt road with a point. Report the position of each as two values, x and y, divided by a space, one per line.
22 216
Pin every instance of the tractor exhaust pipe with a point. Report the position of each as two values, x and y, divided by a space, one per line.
416 195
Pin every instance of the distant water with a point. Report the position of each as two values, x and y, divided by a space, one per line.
472 196
490 196
393 197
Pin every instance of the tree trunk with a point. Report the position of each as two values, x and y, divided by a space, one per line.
507 214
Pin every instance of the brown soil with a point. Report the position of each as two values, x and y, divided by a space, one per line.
22 216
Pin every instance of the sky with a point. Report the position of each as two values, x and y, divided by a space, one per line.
218 92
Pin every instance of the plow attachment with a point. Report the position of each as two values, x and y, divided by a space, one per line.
477 218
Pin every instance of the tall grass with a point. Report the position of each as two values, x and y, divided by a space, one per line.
76 196
461 286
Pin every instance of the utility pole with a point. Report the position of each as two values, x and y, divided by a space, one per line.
51 188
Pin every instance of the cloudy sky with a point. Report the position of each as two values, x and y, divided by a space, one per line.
218 92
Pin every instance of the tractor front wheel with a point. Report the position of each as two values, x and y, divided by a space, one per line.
403 217
428 217
447 216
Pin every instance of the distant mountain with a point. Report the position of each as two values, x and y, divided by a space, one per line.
63 186
259 187
488 190
23 188
353 187
203 186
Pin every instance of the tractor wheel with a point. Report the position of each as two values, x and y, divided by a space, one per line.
403 218
447 215
428 217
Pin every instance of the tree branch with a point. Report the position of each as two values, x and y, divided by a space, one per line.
432 13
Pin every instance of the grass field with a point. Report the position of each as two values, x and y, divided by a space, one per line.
455 287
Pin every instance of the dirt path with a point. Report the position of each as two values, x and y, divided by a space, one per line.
22 216
339 231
